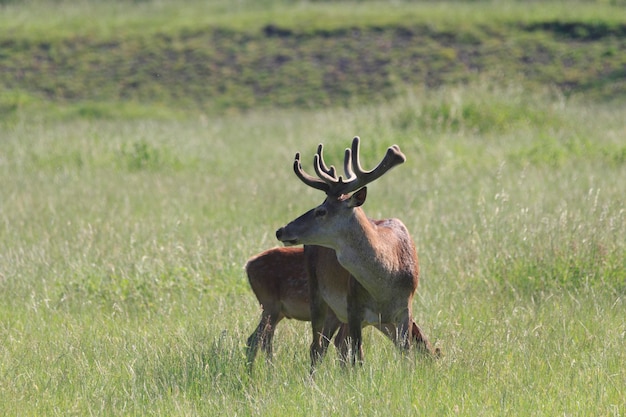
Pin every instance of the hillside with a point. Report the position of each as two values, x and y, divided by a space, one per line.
219 67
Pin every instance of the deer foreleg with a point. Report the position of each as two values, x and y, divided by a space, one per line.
319 308
404 335
356 341
342 341
331 325
320 341
404 330
356 313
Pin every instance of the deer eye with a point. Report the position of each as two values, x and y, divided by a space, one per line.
320 212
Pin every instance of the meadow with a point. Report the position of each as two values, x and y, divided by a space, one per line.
123 240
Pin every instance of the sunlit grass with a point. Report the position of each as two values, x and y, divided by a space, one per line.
122 245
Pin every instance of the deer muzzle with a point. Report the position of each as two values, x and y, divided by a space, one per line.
284 237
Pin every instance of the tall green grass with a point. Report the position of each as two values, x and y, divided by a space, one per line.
122 244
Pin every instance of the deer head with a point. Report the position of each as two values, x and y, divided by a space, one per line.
329 223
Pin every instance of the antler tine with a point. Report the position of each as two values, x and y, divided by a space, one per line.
358 177
347 167
322 165
309 180
355 176
326 174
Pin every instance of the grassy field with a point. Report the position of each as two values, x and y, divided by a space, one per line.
123 240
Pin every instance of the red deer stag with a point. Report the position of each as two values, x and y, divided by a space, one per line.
379 254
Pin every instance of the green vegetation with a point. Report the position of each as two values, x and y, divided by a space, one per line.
214 56
126 215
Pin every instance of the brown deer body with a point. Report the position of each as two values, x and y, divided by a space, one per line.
279 279
379 255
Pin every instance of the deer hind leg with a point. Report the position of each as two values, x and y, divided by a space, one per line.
252 345
417 338
263 334
422 344
268 336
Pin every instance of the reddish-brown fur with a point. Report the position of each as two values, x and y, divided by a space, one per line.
278 278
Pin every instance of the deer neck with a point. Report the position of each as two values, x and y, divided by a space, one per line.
362 251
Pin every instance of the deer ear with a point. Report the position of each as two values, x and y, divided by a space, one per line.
358 198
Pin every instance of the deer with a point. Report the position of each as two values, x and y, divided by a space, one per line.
279 281
379 255
279 278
